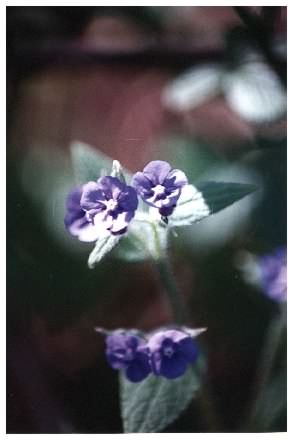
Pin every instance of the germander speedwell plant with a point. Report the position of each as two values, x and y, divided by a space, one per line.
136 215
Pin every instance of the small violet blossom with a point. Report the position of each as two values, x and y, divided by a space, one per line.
273 273
160 186
76 220
171 352
128 352
109 204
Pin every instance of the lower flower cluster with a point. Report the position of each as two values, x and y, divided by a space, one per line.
165 353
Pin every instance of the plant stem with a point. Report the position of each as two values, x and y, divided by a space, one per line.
268 357
180 316
168 281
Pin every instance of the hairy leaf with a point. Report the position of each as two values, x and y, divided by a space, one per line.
151 405
197 203
219 195
131 249
103 246
146 239
191 207
89 163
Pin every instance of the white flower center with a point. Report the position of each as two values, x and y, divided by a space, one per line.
158 190
111 204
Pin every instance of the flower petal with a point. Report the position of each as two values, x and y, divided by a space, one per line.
89 234
175 179
75 225
73 199
128 200
92 196
77 216
173 367
139 180
115 362
138 369
165 211
156 171
120 224
102 220
189 349
111 186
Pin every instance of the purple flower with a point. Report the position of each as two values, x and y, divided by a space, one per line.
171 352
109 204
75 218
273 269
130 353
160 186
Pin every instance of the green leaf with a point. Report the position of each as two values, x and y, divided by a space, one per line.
89 163
197 203
146 239
103 246
219 195
131 249
151 405
191 207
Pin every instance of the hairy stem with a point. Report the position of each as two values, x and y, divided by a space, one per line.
180 316
174 297
205 399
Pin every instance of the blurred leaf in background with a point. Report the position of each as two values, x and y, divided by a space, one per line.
249 85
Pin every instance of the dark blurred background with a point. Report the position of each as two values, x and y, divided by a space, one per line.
96 75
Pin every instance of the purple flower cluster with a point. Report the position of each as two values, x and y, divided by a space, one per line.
166 353
109 205
273 272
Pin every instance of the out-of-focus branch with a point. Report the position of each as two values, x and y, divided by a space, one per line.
258 30
30 58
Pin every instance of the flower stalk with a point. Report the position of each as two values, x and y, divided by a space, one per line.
174 297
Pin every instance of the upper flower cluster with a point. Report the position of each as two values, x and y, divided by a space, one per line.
108 205
166 353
